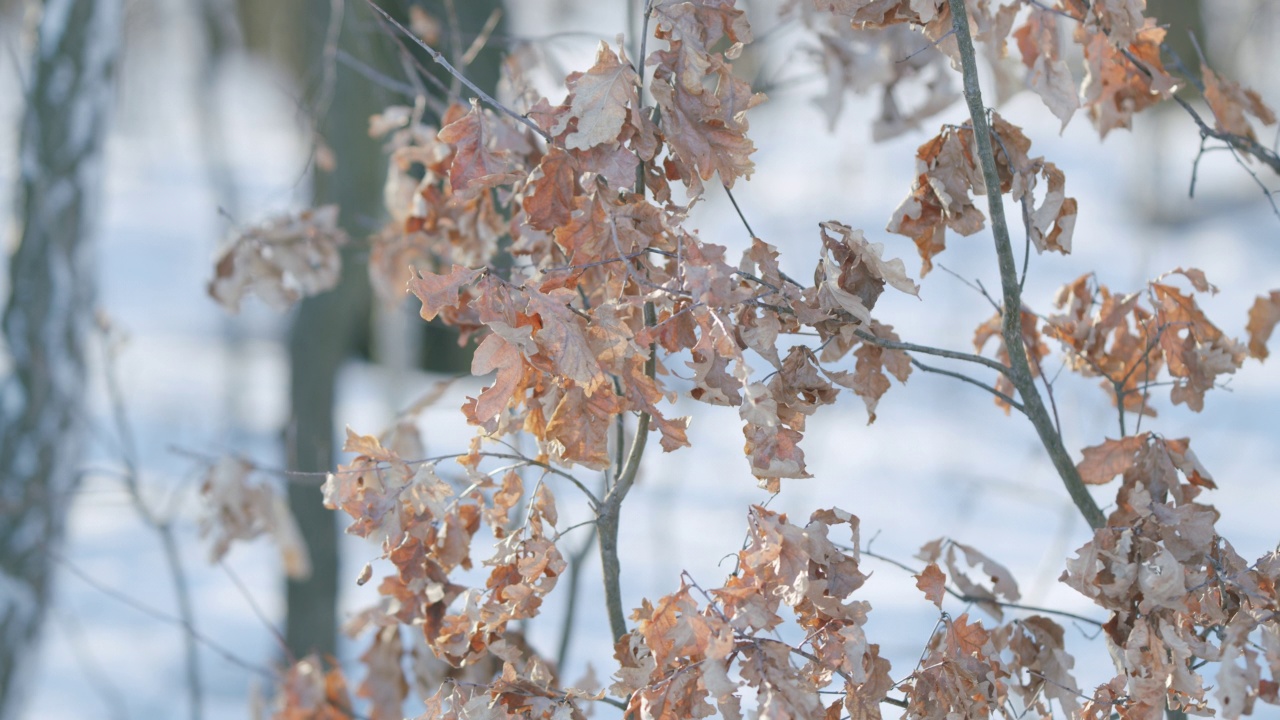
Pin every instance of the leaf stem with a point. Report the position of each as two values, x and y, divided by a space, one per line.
1019 368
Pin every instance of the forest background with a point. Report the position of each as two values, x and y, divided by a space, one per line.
939 461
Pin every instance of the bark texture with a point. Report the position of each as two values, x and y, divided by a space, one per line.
50 304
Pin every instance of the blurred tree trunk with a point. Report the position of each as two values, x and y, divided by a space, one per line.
51 300
330 327
1183 18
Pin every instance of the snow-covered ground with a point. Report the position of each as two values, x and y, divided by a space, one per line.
941 459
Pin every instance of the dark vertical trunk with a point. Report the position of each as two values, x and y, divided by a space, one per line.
329 327
51 296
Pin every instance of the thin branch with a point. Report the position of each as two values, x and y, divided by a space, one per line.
1019 371
976 287
101 683
301 475
442 62
257 611
576 564
329 58
381 79
1234 142
163 528
741 217
927 350
965 378
161 616
752 233
455 42
482 38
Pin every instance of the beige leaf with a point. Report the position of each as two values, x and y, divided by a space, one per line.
1103 462
1263 317
599 99
281 260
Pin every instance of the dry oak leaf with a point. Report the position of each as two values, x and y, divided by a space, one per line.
933 583
385 684
281 261
1036 643
600 100
561 337
1114 88
1102 463
307 692
1195 350
1263 317
854 272
237 509
494 353
868 380
708 132
1229 102
549 196
941 195
1047 73
476 166
1121 20
882 13
438 292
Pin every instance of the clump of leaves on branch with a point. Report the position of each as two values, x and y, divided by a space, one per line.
556 237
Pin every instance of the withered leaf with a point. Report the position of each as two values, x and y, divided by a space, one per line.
600 99
438 292
1047 73
281 261
933 582
1102 463
1263 317
1229 103
476 165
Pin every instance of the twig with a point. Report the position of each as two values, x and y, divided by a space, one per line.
972 286
257 611
163 528
927 350
576 563
741 217
162 616
455 42
98 680
298 475
1019 369
442 62
482 38
965 378
380 79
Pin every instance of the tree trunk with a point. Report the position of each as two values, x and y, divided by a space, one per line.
330 327
51 299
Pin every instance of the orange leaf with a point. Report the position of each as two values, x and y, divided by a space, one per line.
1263 317
933 582
438 292
1103 462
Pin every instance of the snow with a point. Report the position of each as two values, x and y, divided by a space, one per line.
940 461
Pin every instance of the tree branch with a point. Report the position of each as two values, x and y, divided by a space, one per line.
965 378
939 352
442 62
611 507
1019 368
